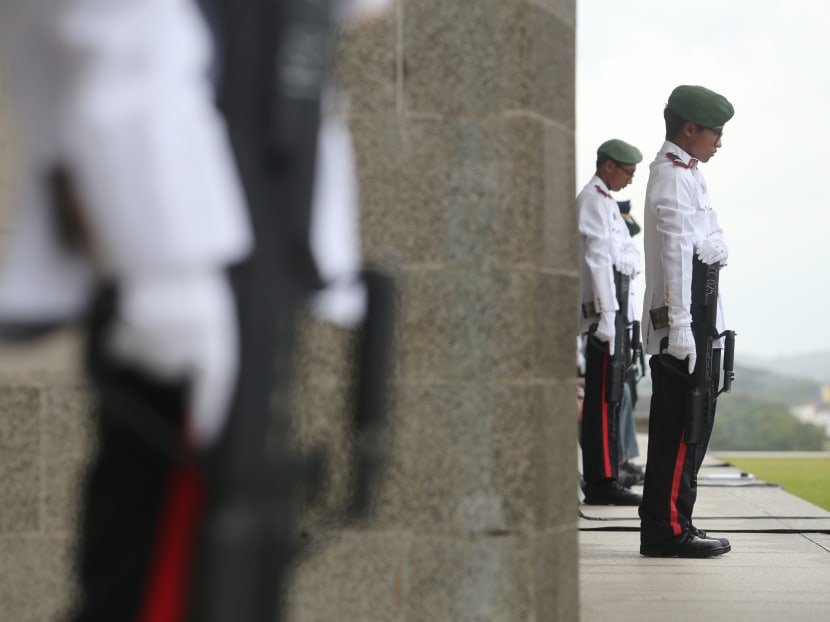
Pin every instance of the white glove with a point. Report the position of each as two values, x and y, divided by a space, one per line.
360 10
605 330
181 326
580 355
628 264
713 249
682 344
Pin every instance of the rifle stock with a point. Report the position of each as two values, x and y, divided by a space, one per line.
704 389
637 355
274 63
371 382
621 359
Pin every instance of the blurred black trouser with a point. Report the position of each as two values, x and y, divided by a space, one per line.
140 502
599 418
669 491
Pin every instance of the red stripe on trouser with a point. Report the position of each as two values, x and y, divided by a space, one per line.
606 453
166 595
675 486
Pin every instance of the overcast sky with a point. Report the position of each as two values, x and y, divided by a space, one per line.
768 181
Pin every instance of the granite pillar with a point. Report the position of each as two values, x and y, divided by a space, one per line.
463 119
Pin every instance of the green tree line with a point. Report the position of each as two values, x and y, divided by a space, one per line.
745 422
771 386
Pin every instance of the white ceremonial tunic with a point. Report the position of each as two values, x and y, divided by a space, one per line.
603 238
136 129
678 216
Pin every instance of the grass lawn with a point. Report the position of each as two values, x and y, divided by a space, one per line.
808 478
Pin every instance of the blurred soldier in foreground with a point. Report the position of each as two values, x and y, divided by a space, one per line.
130 215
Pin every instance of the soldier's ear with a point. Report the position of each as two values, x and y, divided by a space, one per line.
689 128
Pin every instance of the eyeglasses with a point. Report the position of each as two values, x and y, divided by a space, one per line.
625 170
717 132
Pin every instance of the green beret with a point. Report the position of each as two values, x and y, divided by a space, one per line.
619 151
700 105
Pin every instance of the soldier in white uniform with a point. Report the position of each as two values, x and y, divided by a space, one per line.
630 474
605 245
679 224
130 210
121 138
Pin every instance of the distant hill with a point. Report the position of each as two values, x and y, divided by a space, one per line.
786 389
756 415
761 384
811 365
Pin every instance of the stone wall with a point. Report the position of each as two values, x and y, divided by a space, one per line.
463 119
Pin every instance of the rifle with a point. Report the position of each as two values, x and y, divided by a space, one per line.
274 59
704 390
620 361
637 369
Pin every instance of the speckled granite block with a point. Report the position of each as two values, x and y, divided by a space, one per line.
351 576
34 578
487 56
556 576
322 422
565 10
555 456
43 446
68 442
366 66
324 352
467 460
470 191
462 324
557 241
20 467
485 578
554 325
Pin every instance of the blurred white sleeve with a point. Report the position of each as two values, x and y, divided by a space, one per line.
42 280
146 147
116 94
580 354
359 10
335 222
335 226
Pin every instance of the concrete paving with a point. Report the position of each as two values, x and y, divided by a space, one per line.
778 569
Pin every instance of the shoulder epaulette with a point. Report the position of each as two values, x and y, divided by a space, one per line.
602 192
678 162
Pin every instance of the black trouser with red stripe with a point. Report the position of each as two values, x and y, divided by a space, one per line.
670 489
600 446
140 505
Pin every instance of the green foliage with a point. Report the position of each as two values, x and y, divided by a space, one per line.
744 422
808 478
767 385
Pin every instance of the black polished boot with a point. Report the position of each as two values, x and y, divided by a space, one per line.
610 492
685 545
702 534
